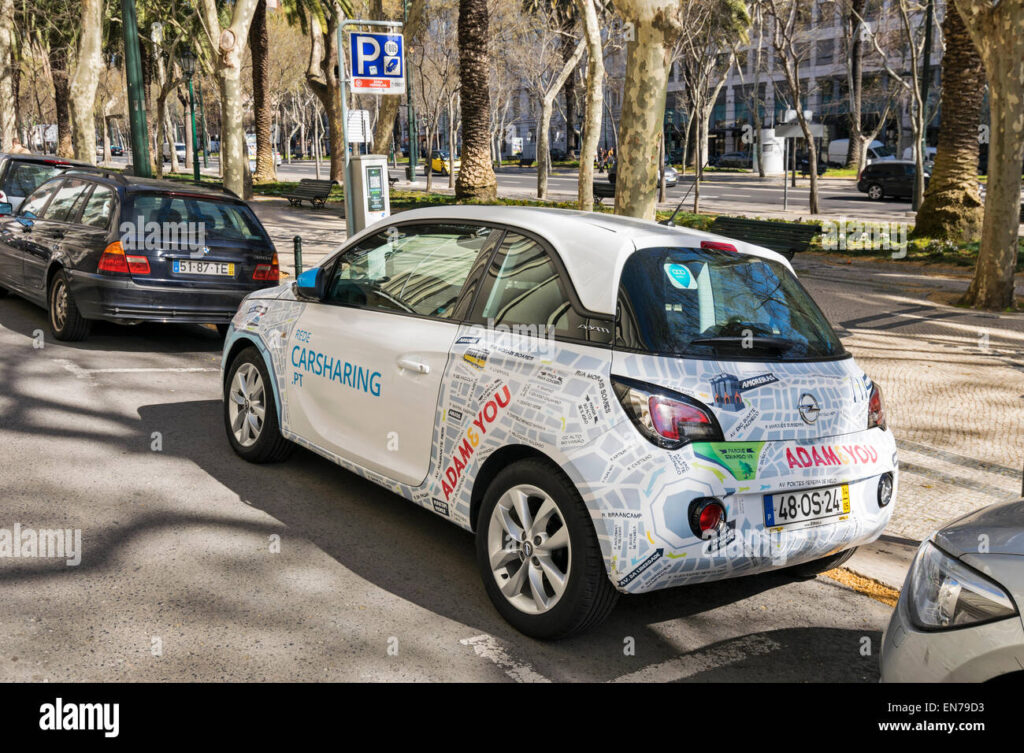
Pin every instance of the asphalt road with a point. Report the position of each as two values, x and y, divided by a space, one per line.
121 437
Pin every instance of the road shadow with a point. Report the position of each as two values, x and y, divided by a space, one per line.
416 555
27 319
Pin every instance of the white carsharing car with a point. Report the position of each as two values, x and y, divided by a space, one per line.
613 406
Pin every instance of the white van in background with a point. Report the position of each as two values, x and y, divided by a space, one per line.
837 149
929 153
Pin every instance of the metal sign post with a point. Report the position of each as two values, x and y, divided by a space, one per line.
343 81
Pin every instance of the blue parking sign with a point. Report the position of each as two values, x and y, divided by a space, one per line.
377 63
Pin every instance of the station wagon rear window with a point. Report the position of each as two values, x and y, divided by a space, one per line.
222 220
710 303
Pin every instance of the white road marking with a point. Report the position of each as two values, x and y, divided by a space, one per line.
81 373
703 660
490 647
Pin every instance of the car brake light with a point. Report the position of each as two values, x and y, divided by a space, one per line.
114 260
666 418
718 246
876 408
268 272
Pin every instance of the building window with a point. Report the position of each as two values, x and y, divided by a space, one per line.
826 52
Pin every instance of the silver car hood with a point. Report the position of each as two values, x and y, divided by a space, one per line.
997 529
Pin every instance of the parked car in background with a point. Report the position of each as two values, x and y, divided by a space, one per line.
889 178
440 162
188 254
732 159
929 154
671 175
958 618
803 165
837 149
115 151
21 174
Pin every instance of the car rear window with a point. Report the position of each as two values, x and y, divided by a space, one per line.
222 220
709 303
25 177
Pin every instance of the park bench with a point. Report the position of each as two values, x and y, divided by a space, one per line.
787 238
311 190
603 190
525 161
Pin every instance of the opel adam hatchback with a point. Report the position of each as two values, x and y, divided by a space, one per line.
612 406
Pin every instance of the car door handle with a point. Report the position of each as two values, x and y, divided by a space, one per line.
411 364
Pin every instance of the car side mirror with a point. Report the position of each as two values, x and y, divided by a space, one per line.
6 209
312 284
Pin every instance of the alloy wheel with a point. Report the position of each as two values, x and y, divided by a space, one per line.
529 549
247 405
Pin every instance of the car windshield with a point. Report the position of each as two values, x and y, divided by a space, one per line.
711 303
221 220
25 177
883 151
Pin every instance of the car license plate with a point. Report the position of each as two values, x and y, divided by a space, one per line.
806 506
193 267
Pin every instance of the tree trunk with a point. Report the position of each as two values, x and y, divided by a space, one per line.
476 176
58 55
452 108
262 101
161 135
85 80
546 108
8 98
322 78
952 207
643 105
594 105
390 104
855 82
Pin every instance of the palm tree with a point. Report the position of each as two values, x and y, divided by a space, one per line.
952 207
476 176
266 171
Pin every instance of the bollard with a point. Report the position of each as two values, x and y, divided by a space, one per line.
297 240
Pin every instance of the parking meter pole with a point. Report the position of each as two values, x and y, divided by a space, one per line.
136 91
297 240
195 135
343 81
206 136
414 135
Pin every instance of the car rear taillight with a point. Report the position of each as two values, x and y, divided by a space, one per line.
268 272
707 517
876 408
666 418
719 246
114 260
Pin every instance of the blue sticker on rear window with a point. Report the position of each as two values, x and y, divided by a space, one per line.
680 276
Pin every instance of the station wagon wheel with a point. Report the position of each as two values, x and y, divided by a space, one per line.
538 553
66 322
250 411
875 192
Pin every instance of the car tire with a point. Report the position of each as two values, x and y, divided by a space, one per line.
66 322
875 192
248 393
814 568
575 593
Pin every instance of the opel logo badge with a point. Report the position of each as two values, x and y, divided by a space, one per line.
808 407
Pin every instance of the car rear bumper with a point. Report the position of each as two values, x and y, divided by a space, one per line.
120 299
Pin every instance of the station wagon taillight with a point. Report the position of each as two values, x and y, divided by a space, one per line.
115 261
268 272
666 418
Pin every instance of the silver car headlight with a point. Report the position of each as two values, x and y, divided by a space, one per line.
946 594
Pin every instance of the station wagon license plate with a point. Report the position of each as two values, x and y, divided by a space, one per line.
193 267
813 506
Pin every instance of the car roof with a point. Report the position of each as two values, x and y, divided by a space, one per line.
135 184
593 246
42 159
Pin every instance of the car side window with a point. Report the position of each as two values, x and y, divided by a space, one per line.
36 202
525 289
414 269
64 206
99 208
